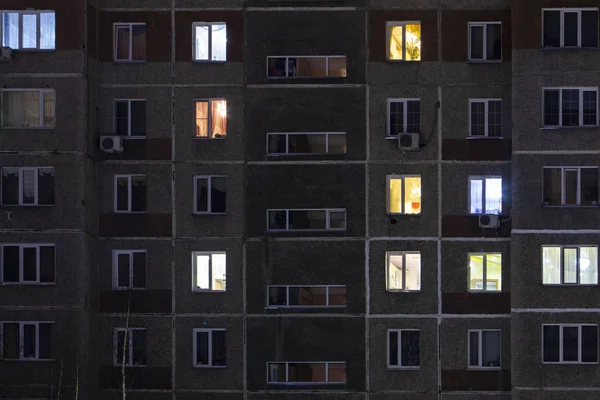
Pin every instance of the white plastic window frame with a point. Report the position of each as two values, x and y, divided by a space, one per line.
480 349
562 25
484 25
209 331
486 111
210 42
581 90
21 339
560 344
288 134
23 246
287 293
328 212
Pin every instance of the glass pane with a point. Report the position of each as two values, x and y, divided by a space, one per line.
29 264
490 347
139 347
474 349
10 30
337 144
138 193
551 108
476 272
476 196
589 343
413 116
11 264
219 348
394 272
393 348
590 106
49 108
570 107
122 347
276 373
277 296
588 265
28 186
45 340
411 344
396 118
29 38
139 270
201 42
306 372
552 186
10 341
494 41
122 34
570 29
495 118
551 343
551 29
315 67
337 220
476 42
478 118
201 194
46 186
10 186
312 296
122 117
336 373
276 67
493 196
47 30
395 200
29 340
138 118
413 42
219 42
138 42
219 271
276 144
396 43
122 193
571 186
310 220
413 271
202 271
218 194
123 266
21 109
570 265
336 67
307 144
589 28
570 343
47 264
202 348
202 119
218 118
337 296
551 265
277 219
589 186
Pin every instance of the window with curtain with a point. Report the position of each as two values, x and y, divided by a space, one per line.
485 195
29 29
211 118
570 186
28 108
570 265
210 41
130 42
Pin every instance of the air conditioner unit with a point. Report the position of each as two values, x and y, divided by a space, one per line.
111 144
6 54
408 141
489 221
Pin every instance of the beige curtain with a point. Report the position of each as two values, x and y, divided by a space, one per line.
219 118
202 119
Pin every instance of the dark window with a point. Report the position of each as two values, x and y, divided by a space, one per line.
123 269
277 219
10 186
122 347
486 41
413 116
11 263
579 343
219 357
404 116
46 264
29 340
211 194
571 107
396 118
138 339
579 28
211 348
19 186
130 192
130 117
484 348
551 107
486 118
45 338
130 42
29 264
570 343
551 343
404 348
10 340
589 343
202 348
122 193
131 269
138 193
139 270
571 186
570 29
46 186
589 28
477 45
133 341
20 263
277 296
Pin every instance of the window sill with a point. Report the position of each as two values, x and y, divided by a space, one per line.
305 230
210 366
403 61
301 78
34 50
208 138
568 285
130 366
124 289
484 291
209 61
28 359
475 137
301 307
550 49
200 214
130 212
304 383
568 363
130 61
498 368
554 128
402 291
208 291
28 283
28 205
484 62
37 128
394 368
284 155
403 214
568 206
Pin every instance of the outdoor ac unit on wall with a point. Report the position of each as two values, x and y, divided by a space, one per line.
489 221
111 144
408 141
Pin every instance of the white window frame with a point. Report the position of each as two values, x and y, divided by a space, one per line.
209 194
387 197
399 365
129 341
210 41
23 246
38 31
288 134
392 24
480 349
563 186
560 105
328 212
35 186
388 254
484 25
287 292
563 247
129 192
484 178
130 26
42 110
560 344
287 58
128 101
115 269
486 111
562 11
287 373
484 256
209 119
404 102
210 348
210 271
21 339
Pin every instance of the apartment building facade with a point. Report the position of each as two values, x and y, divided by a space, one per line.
278 199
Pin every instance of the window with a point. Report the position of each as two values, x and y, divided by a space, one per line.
130 346
570 186
28 186
130 193
404 348
485 41
404 194
130 117
484 349
210 194
569 107
29 30
28 263
570 27
210 347
209 271
486 117
210 41
26 340
403 271
306 143
570 344
306 67
485 272
306 296
404 116
211 118
130 42
328 219
28 108
485 195
306 372
404 41
129 269
570 265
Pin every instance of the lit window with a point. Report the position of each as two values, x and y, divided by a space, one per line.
404 41
130 346
209 271
570 265
486 117
570 27
29 30
485 272
570 186
485 41
26 340
130 42
130 117
306 66
210 41
570 107
129 269
403 271
130 193
404 116
210 194
404 348
28 186
211 118
210 350
485 195
28 263
484 349
570 344
404 194
28 108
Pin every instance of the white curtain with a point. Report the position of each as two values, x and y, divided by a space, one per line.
21 109
47 30
219 42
